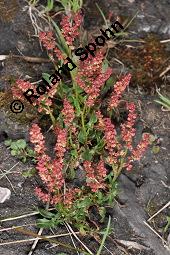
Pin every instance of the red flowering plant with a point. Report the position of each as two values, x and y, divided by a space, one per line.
87 140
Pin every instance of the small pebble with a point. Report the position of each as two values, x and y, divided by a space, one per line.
4 194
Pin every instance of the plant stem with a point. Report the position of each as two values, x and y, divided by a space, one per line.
77 99
82 120
51 116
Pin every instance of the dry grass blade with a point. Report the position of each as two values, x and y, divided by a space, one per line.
74 234
163 240
39 233
13 227
134 245
4 173
23 216
165 41
45 238
165 71
165 206
32 239
8 181
71 237
35 242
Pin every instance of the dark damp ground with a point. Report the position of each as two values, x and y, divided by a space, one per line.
143 191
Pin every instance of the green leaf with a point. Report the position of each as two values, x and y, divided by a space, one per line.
100 145
50 5
105 66
13 152
155 149
44 223
88 155
21 144
77 106
46 77
30 152
102 212
45 213
84 203
29 173
24 159
104 237
82 230
109 84
61 41
8 142
92 121
74 153
82 137
166 100
163 103
14 146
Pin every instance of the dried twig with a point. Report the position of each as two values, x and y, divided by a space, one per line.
26 58
165 71
153 230
165 206
165 41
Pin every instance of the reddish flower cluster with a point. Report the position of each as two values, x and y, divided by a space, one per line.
70 29
116 151
138 152
45 197
141 147
109 134
101 123
47 40
119 88
68 113
20 87
127 130
45 100
91 78
37 138
95 175
60 146
71 193
49 170
112 145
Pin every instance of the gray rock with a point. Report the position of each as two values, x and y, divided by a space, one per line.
12 128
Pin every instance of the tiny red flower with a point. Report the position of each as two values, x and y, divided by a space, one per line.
68 113
119 88
47 40
70 29
37 138
127 129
